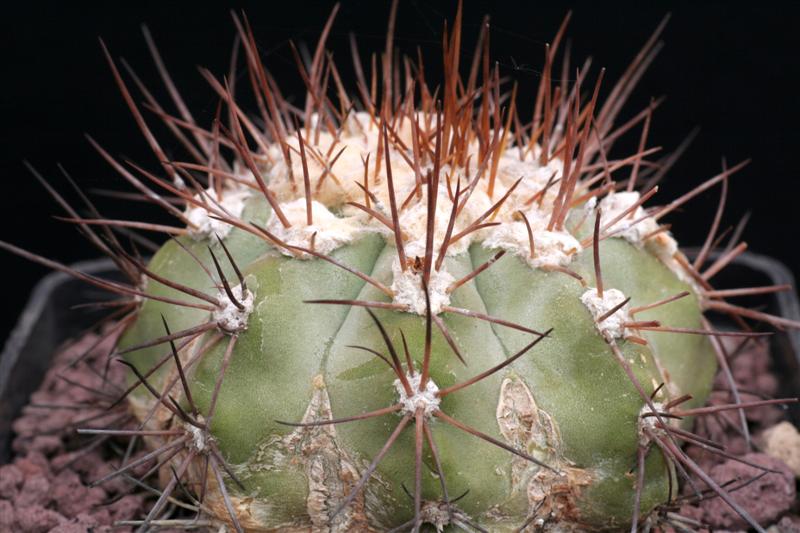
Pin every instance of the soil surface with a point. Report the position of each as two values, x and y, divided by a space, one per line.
48 487
756 474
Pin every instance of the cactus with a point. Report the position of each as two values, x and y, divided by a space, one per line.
411 310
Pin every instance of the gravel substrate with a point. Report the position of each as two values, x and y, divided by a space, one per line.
47 486
772 498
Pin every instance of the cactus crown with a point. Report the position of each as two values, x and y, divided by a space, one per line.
424 229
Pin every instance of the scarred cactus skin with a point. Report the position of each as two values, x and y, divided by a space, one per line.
411 309
568 403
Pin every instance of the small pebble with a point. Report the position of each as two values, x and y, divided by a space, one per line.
783 442
37 519
11 478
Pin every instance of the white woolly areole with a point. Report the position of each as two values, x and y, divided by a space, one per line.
589 206
649 422
144 281
550 248
198 438
407 288
612 327
360 137
614 204
331 231
426 399
414 219
230 318
662 245
536 176
231 202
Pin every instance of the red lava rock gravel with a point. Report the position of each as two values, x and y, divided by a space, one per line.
46 487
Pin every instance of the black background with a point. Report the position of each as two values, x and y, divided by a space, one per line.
730 69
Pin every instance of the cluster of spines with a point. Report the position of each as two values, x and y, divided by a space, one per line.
564 126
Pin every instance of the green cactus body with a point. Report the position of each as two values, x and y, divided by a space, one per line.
568 403
414 309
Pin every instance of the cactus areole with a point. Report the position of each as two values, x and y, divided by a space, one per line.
410 308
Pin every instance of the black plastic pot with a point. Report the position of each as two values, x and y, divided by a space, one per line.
49 319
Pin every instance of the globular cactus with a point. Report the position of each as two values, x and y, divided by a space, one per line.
412 309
